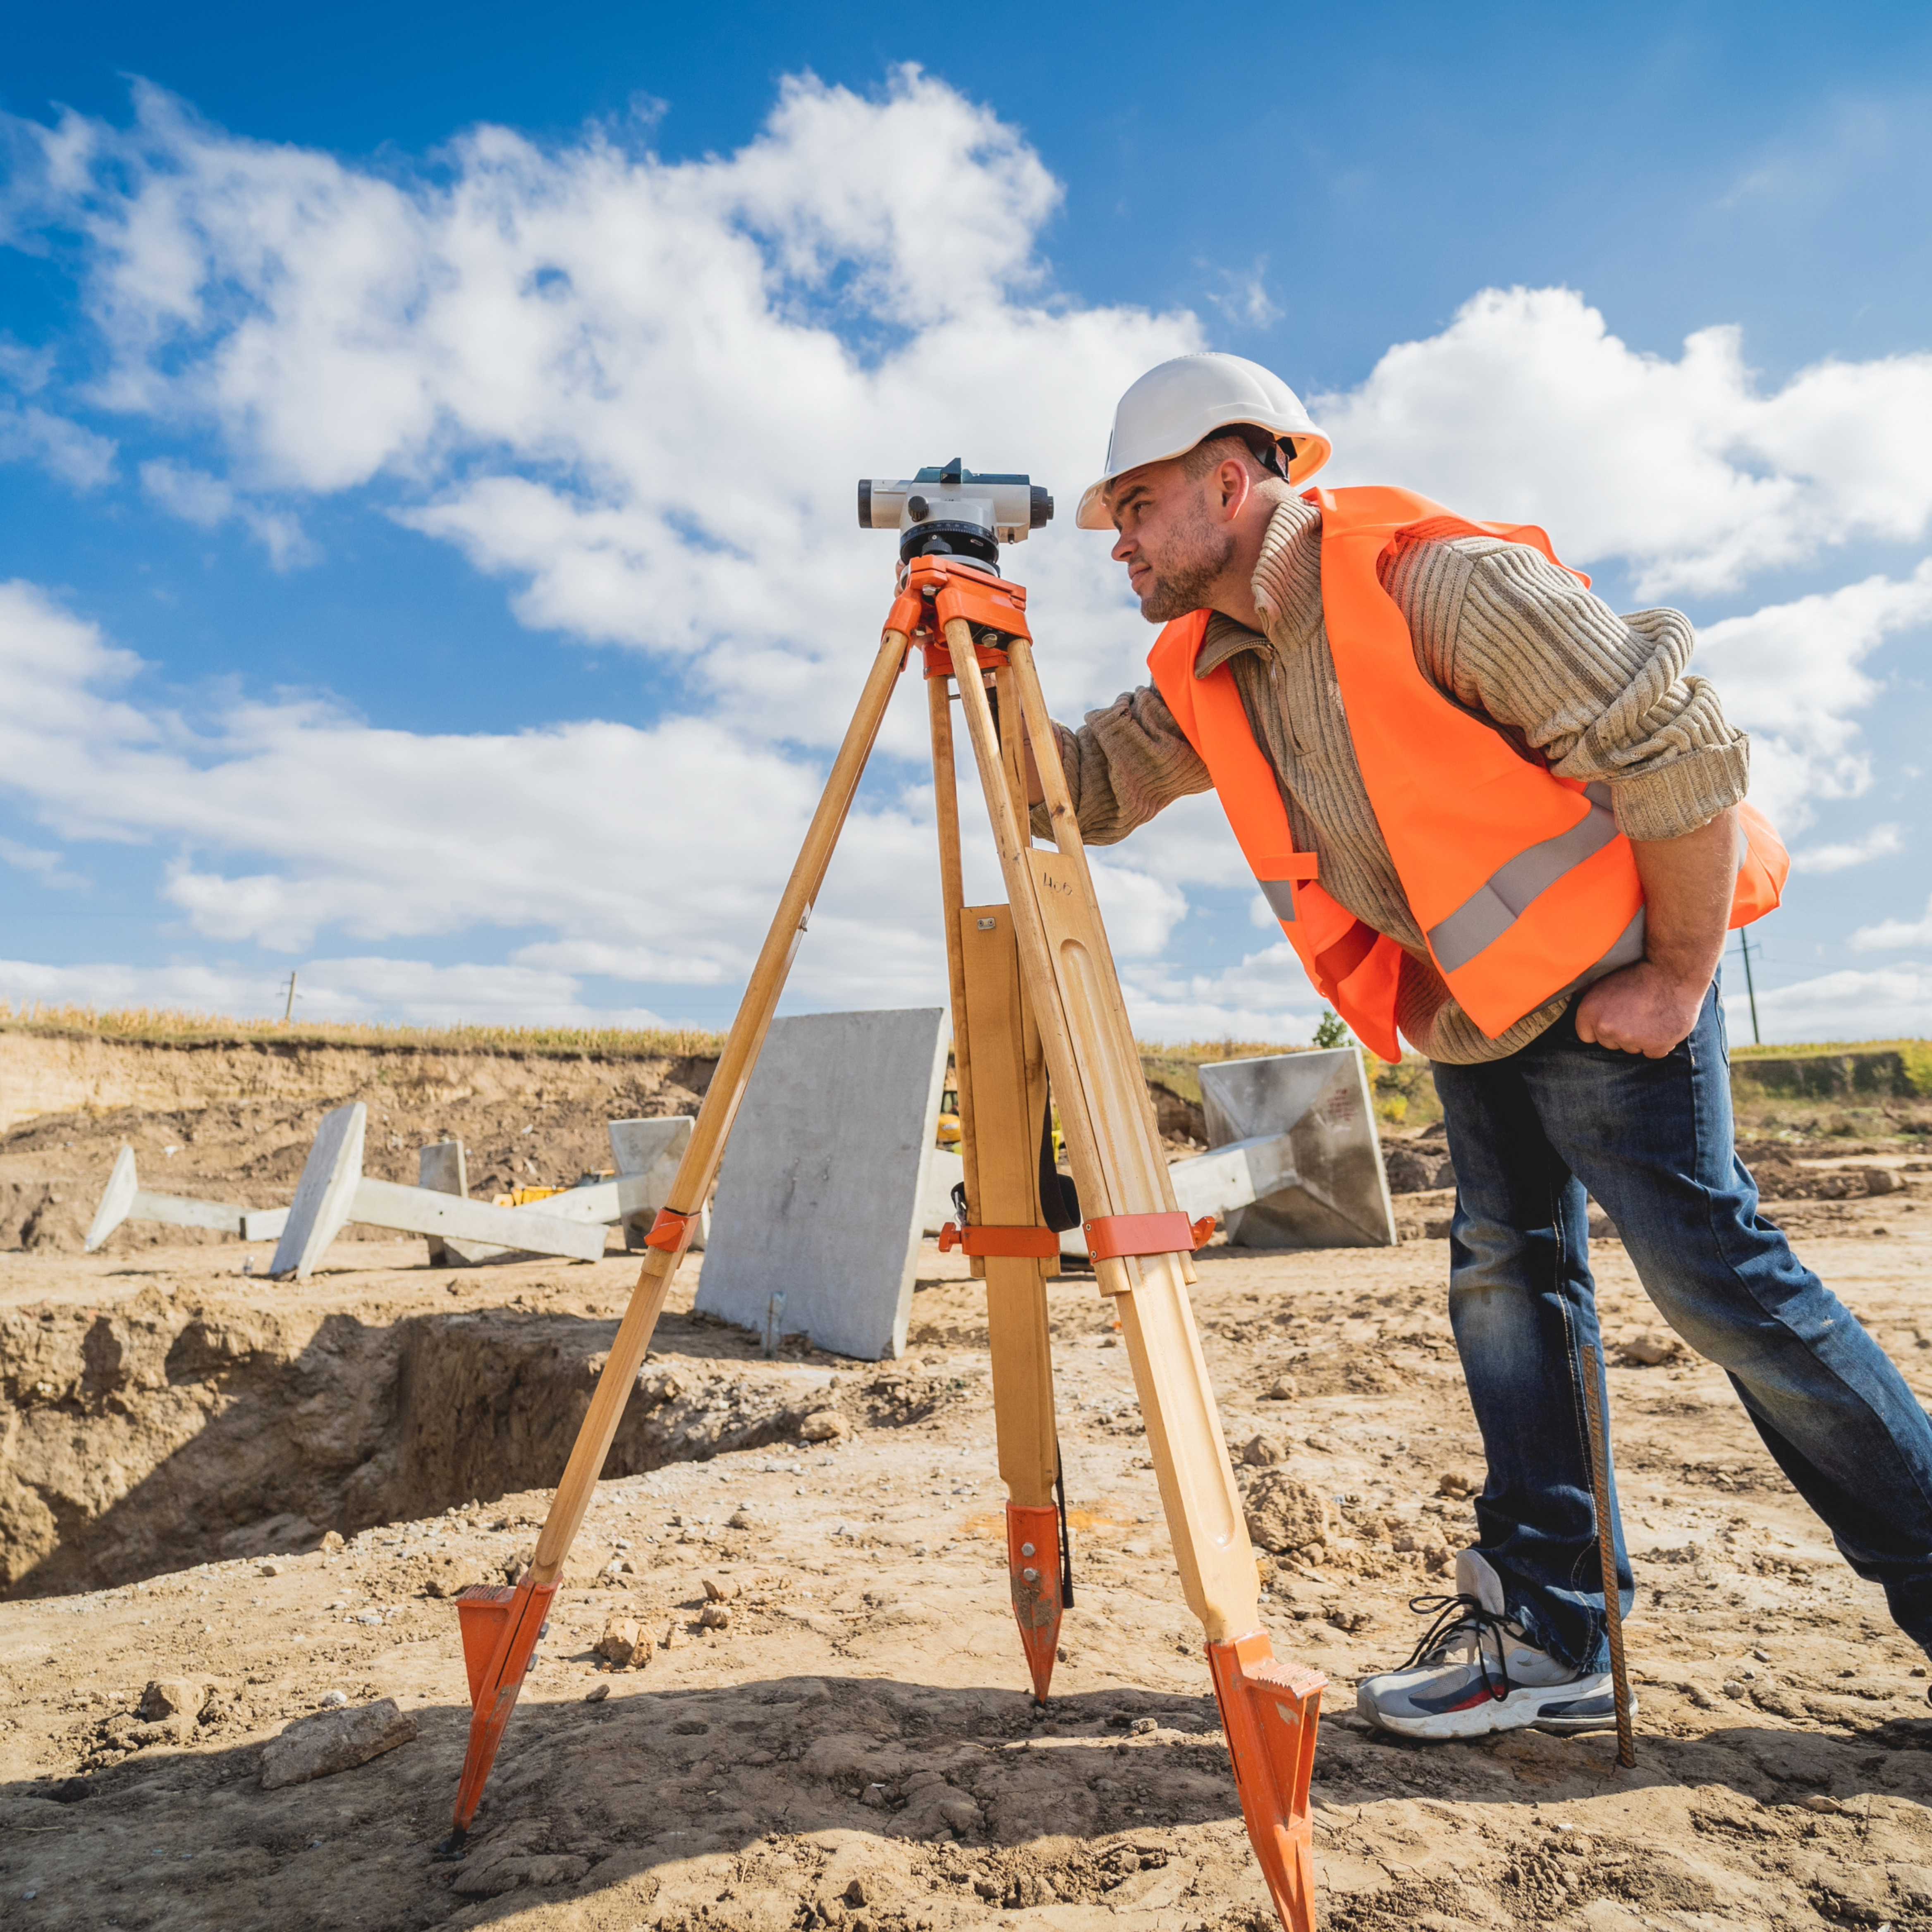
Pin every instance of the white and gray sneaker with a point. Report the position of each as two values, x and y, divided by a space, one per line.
1473 1672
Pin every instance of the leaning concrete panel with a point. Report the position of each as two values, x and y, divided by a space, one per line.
320 1209
1333 1194
822 1191
116 1197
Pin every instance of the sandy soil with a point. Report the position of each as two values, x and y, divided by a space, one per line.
855 1751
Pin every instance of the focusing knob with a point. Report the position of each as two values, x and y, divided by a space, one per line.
917 507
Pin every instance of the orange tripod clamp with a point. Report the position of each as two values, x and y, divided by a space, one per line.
1110 1236
1020 1243
671 1231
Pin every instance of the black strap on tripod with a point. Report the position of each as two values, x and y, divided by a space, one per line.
1059 1198
1066 1534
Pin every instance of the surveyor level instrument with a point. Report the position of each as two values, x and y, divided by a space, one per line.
1035 999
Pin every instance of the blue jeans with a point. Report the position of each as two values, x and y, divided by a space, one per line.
1651 1140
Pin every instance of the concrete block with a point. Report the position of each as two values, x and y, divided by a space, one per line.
324 1194
125 1199
116 1197
822 1194
1328 1189
647 1154
443 1167
421 1211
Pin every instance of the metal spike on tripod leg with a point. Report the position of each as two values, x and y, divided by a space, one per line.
1606 1553
1032 1558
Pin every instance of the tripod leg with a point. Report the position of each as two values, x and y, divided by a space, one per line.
1270 1712
1010 1098
952 897
997 1063
503 1626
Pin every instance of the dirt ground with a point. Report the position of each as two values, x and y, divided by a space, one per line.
855 1751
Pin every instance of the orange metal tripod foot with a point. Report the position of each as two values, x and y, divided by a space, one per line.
1033 1554
1269 1712
500 1628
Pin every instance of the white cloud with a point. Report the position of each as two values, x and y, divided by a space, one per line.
636 388
1882 841
410 991
1893 1003
1891 933
1266 998
206 501
187 492
76 455
1792 674
655 854
45 866
1527 407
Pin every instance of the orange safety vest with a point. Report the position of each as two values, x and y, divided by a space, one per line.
1520 880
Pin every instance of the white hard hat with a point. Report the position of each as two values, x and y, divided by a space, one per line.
1176 403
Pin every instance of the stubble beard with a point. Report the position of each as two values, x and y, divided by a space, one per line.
1196 556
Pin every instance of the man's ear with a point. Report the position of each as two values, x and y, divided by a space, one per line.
1233 483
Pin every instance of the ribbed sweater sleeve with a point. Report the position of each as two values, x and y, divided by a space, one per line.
1599 696
1123 765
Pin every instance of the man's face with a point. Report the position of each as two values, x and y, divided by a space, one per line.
1174 547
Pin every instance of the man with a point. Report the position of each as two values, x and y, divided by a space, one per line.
1497 818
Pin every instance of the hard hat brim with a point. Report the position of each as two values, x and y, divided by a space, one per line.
1311 451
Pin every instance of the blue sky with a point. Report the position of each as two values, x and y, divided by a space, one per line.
427 441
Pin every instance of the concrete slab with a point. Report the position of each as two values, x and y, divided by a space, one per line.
116 1197
443 1167
123 1198
823 1191
1331 1190
320 1210
422 1210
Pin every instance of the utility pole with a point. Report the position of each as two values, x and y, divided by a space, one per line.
289 1011
1750 990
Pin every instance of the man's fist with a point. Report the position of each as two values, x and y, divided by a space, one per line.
1639 1010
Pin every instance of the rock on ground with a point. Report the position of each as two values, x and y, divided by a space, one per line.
333 1740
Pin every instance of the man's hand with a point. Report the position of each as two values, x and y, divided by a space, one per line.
1639 1010
1651 1007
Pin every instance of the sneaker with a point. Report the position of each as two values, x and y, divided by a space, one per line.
1473 1672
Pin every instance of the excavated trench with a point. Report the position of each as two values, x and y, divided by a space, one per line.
156 1435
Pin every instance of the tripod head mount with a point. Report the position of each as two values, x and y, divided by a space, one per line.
946 511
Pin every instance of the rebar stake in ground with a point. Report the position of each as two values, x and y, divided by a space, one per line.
1607 1553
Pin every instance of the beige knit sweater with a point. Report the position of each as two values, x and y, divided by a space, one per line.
1501 630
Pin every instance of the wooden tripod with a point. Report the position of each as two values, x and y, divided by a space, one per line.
1034 995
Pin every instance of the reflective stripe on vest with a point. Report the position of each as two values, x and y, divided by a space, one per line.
1506 894
1523 885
